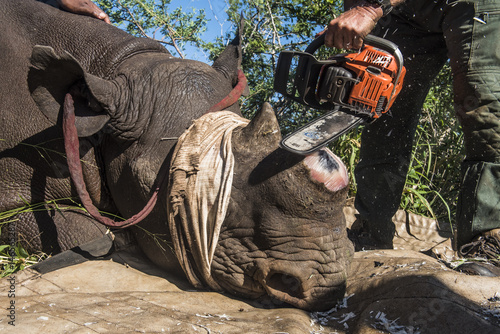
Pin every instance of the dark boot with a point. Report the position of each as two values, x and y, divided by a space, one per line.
363 240
483 255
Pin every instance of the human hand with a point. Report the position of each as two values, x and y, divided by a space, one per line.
84 7
349 29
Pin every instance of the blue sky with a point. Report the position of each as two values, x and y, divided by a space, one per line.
216 26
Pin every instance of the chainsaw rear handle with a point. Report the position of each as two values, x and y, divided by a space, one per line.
315 44
374 41
306 76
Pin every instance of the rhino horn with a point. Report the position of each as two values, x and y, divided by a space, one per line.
262 133
51 76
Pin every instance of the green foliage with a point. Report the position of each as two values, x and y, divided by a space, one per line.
347 147
14 259
433 181
13 256
270 27
156 19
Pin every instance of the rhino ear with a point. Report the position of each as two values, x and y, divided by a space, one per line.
262 132
229 61
52 76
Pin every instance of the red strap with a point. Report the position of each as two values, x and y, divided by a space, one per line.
233 96
72 147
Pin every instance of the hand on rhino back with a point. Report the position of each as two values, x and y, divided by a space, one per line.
82 7
282 231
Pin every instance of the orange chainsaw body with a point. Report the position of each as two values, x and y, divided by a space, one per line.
353 88
376 71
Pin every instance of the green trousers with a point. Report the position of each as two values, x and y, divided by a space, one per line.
429 32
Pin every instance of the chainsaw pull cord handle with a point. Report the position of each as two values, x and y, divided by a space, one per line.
372 40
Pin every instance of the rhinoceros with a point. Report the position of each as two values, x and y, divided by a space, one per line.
233 211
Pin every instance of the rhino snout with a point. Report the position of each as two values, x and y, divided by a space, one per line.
299 285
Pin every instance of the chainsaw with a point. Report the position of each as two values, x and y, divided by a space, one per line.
353 88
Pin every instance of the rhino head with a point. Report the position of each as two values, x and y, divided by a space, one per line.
284 233
252 219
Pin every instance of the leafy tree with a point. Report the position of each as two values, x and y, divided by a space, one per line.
270 27
156 19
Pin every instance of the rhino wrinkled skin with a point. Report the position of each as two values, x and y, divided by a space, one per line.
284 233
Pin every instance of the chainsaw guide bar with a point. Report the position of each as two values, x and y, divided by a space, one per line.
320 132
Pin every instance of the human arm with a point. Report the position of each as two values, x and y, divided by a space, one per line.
84 7
349 29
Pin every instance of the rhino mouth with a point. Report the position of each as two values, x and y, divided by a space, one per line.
274 284
280 287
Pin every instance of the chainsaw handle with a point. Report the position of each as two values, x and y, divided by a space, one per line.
385 45
381 43
372 40
315 44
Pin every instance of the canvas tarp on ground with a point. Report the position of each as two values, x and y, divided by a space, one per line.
392 291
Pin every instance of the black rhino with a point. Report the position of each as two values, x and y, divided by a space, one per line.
235 212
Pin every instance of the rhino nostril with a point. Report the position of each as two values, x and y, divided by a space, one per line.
284 283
